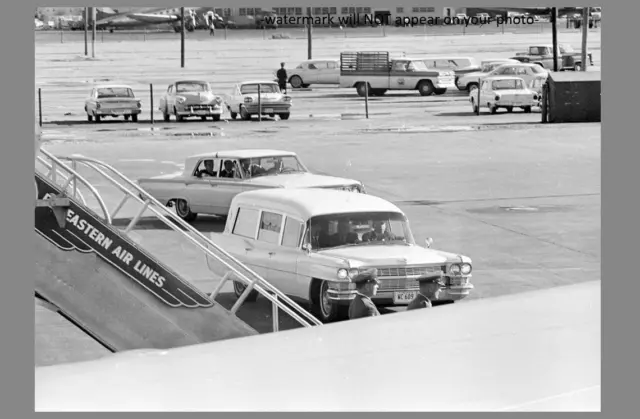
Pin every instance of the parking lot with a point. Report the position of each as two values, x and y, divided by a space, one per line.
522 199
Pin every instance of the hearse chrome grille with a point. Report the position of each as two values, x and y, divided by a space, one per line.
404 272
404 277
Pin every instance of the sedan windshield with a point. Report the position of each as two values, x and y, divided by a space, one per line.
248 89
114 92
359 229
191 87
271 166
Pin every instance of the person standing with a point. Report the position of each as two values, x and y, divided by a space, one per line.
430 286
366 287
282 78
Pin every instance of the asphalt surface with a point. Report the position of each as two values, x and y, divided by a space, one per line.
520 198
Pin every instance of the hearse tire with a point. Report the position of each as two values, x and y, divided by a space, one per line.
325 312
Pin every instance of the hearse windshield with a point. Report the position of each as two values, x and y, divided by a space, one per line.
359 229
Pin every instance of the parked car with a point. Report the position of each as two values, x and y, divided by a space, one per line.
469 80
315 72
310 244
568 58
243 100
190 98
459 65
196 190
114 100
527 72
503 92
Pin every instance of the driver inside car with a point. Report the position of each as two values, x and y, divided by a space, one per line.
208 170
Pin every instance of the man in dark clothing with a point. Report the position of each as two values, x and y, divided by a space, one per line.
282 78
366 287
228 169
430 286
208 169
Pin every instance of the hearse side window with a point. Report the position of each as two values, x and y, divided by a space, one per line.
292 232
246 223
270 227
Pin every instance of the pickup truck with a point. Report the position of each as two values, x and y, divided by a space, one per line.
311 243
379 72
568 58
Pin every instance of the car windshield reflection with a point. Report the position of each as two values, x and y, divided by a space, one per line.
359 229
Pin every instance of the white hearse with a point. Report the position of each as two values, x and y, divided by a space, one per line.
309 243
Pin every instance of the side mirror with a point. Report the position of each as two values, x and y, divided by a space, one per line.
428 242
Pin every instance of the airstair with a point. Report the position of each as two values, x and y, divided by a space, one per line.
104 279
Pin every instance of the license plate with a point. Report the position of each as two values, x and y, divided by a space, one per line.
404 297
268 110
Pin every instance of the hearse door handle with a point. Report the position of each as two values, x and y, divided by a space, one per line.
272 253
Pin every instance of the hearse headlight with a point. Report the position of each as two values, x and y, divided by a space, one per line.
465 268
497 97
455 269
535 97
286 98
343 273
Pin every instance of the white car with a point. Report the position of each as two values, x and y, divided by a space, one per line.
199 189
503 92
469 80
526 71
113 100
189 98
310 244
244 101
315 72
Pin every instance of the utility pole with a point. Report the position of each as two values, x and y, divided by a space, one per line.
309 26
93 32
86 31
182 38
554 35
585 30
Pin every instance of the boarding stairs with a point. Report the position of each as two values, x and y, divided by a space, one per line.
61 174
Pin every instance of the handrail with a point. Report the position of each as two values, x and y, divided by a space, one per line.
75 176
274 295
49 166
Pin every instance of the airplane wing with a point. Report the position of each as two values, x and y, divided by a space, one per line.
538 351
153 18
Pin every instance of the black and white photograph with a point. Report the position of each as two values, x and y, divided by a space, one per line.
317 209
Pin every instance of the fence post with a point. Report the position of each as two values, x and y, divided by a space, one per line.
366 100
478 99
40 104
259 103
61 35
225 32
151 106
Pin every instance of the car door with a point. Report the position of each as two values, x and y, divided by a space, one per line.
484 91
283 266
265 252
250 252
526 74
333 72
199 191
311 74
225 188
398 76
325 74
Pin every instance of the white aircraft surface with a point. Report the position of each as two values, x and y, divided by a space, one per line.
536 351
